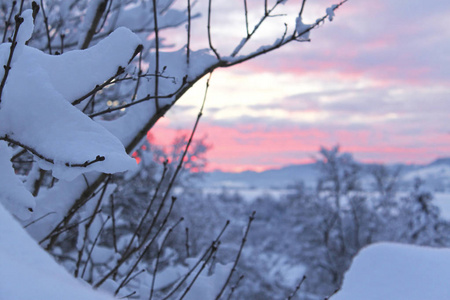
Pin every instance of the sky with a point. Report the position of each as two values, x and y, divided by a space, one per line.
375 80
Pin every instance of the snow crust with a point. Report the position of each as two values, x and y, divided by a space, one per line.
13 194
27 272
65 135
300 28
395 271
330 12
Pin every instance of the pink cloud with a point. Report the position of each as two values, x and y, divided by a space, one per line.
246 147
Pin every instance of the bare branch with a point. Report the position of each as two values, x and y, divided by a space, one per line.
158 256
19 20
97 88
244 239
155 22
47 28
205 254
209 31
146 98
50 160
188 50
93 28
297 288
8 21
93 245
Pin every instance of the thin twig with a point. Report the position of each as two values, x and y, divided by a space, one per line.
158 256
188 50
113 218
97 88
250 34
301 9
145 246
246 18
155 23
207 251
93 28
47 28
8 21
244 239
19 20
146 98
64 229
213 250
297 288
233 288
209 32
62 36
93 246
138 81
187 242
108 10
38 219
34 152
86 229
38 182
148 209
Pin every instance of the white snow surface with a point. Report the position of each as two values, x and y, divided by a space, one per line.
28 272
64 135
300 28
13 194
397 272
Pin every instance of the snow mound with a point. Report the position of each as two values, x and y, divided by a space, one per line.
28 272
395 272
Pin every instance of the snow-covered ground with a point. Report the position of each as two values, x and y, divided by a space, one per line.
389 271
28 272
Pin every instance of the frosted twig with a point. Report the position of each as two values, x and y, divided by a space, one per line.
129 295
145 246
93 27
188 50
207 251
187 242
108 10
155 23
47 28
297 288
58 230
50 160
209 31
146 98
134 276
138 81
191 137
38 219
19 20
149 207
38 182
214 247
250 34
113 219
97 88
86 228
8 21
62 36
93 245
233 288
244 239
246 18
158 256
302 7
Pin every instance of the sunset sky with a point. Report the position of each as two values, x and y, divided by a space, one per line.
376 81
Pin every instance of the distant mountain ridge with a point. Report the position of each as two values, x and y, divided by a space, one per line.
435 174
